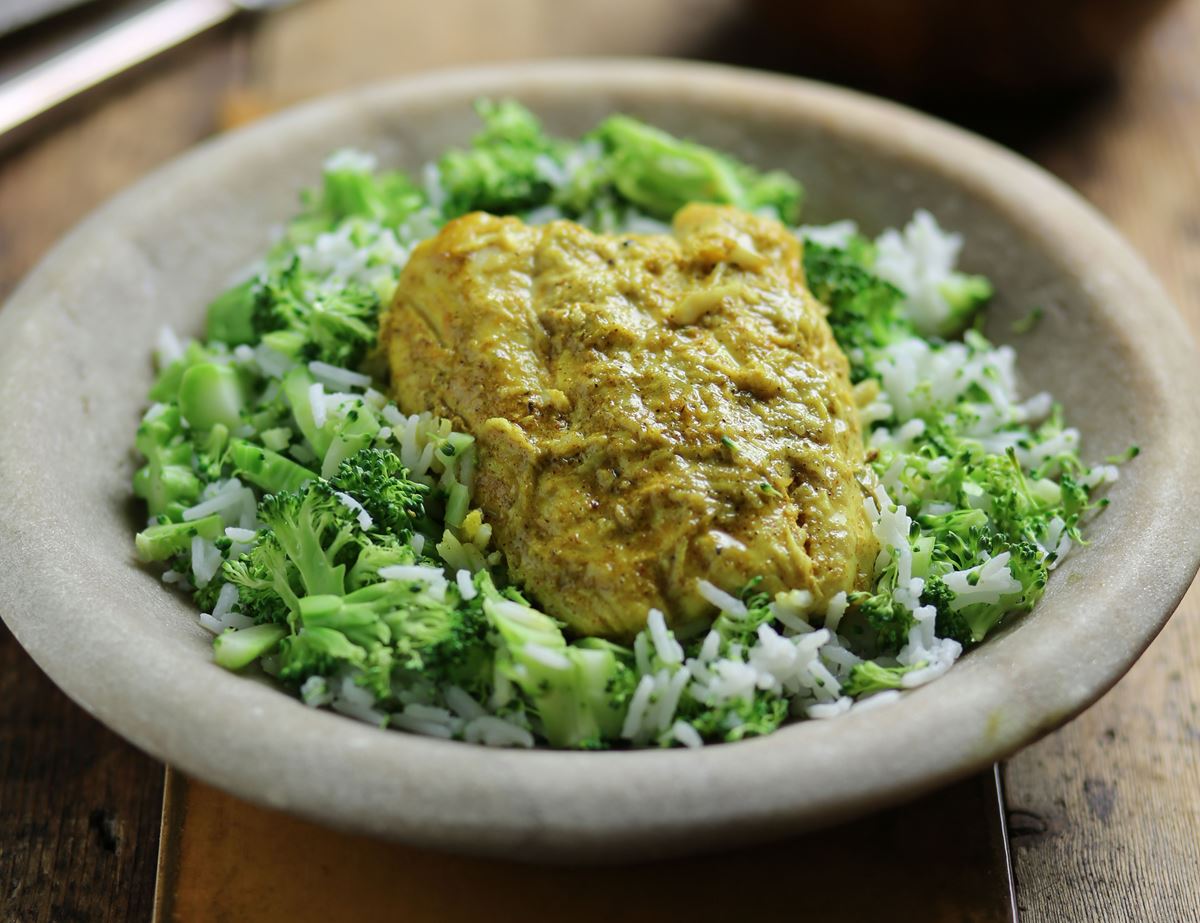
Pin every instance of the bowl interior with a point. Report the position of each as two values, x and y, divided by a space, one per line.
74 368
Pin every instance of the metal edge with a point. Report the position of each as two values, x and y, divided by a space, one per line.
167 869
1003 844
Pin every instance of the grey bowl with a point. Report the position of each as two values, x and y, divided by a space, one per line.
74 367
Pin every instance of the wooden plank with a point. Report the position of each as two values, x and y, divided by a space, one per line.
104 142
1106 812
937 860
80 808
326 45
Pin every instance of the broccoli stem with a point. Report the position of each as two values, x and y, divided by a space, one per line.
266 469
158 543
296 385
231 316
236 648
210 394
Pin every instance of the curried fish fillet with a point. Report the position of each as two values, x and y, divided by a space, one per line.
650 410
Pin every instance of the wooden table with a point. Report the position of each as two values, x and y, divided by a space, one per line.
1104 815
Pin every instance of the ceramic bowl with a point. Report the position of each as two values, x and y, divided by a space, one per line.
75 346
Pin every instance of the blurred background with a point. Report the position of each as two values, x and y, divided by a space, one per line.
1103 815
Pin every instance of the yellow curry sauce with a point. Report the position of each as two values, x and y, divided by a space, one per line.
650 410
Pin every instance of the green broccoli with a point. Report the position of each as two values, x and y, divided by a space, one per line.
660 174
316 652
231 315
965 294
317 532
865 312
735 719
352 189
305 321
502 172
889 620
577 692
744 629
378 480
868 677
266 469
237 648
166 540
166 482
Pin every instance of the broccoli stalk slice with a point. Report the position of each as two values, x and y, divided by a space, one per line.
349 437
237 648
158 543
296 385
166 482
211 394
231 316
266 469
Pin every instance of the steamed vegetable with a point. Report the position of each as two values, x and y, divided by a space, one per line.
331 540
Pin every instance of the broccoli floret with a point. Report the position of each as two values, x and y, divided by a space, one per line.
744 629
378 480
317 532
352 189
267 582
166 482
305 321
888 619
660 173
737 718
868 677
578 693
865 312
502 172
388 626
317 652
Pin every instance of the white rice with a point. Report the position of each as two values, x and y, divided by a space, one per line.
669 650
335 377
548 658
365 522
686 734
466 586
316 403
496 732
730 605
463 704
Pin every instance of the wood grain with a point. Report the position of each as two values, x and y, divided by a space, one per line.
935 861
1106 812
79 808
